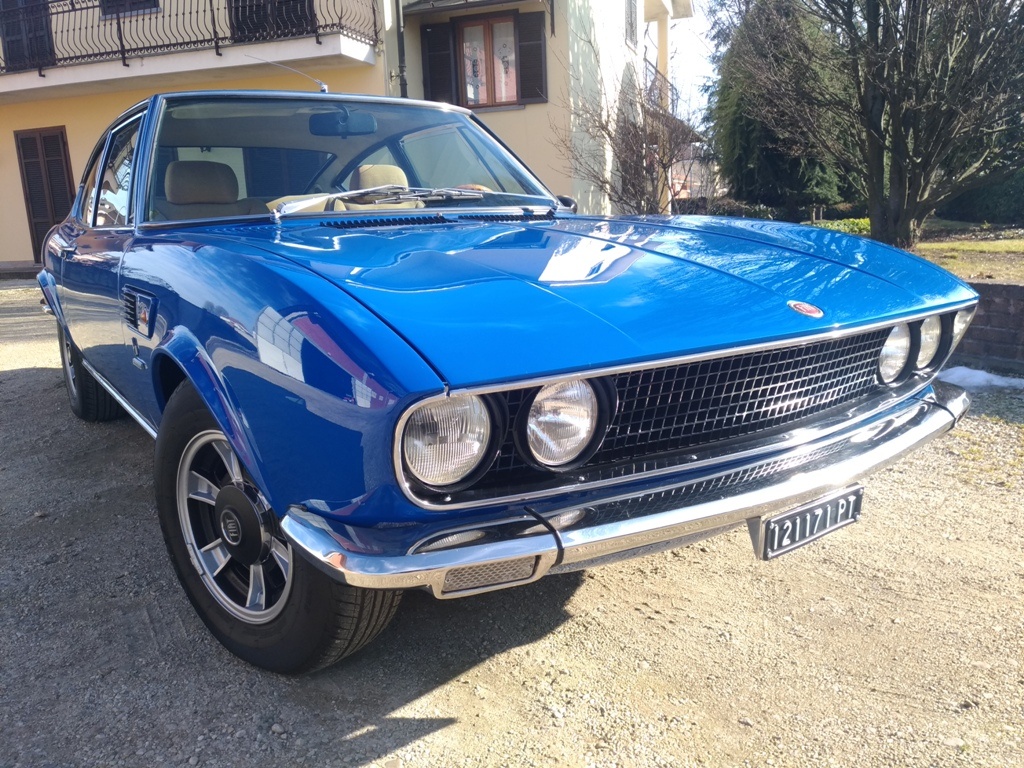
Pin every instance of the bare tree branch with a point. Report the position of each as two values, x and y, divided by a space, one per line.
919 100
624 139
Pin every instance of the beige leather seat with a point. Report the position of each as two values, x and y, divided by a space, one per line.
201 189
369 176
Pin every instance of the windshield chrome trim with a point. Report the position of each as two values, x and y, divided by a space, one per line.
533 213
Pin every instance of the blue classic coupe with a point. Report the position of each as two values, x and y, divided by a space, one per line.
376 354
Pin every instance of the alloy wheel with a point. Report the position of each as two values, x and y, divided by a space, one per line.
230 532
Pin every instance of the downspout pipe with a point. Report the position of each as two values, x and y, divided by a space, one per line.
403 84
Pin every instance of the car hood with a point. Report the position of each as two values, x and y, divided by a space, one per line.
489 301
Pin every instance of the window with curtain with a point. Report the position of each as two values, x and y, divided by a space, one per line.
485 61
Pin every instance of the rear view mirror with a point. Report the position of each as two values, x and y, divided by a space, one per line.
342 122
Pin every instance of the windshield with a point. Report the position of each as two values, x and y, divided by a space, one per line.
242 156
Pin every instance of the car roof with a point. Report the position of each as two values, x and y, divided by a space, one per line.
277 94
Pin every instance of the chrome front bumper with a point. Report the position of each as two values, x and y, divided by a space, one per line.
734 495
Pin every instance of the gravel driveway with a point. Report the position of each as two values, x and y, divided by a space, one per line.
897 641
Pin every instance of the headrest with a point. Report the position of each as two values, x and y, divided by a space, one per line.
200 181
369 176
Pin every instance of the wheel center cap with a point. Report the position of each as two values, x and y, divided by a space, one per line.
231 527
242 527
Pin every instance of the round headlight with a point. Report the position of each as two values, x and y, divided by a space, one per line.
446 440
960 323
931 340
895 354
562 421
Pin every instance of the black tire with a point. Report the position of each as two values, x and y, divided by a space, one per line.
89 401
301 619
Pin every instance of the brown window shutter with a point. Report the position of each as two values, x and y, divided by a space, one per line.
45 179
533 78
58 174
438 44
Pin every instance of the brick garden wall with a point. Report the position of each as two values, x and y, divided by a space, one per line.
995 340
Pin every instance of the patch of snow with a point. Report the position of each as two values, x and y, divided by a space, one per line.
968 378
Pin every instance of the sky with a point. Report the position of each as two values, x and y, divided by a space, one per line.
690 65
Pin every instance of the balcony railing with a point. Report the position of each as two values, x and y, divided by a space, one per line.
36 34
660 90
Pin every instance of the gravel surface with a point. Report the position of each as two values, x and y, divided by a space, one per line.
896 641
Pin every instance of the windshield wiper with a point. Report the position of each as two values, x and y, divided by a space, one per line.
427 195
389 193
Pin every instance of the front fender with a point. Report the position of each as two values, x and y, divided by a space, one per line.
183 350
305 383
49 288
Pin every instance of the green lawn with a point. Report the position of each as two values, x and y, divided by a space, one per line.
975 253
1015 245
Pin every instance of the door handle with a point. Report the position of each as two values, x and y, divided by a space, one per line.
68 251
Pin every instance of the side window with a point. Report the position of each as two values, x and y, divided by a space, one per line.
89 192
115 184
442 157
632 22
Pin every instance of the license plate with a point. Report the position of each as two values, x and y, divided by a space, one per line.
784 533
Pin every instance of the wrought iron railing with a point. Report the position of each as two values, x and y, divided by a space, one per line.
36 34
660 90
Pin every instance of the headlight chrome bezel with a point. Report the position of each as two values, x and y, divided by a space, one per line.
605 403
948 339
912 340
496 422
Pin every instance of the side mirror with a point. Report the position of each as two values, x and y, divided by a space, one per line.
568 202
342 122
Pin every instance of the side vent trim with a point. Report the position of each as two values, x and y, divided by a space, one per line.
139 310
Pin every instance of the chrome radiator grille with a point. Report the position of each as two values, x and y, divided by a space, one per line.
680 407
683 407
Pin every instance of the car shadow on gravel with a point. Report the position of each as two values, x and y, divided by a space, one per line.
431 643
13 325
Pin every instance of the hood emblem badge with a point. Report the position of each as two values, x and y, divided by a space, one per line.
804 308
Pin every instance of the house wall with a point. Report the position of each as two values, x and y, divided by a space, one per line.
603 62
81 29
588 40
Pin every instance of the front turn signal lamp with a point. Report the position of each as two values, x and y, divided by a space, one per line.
961 322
